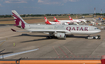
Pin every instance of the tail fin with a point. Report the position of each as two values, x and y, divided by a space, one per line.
18 20
70 18
55 20
46 21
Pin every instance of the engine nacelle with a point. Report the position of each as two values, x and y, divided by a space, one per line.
60 35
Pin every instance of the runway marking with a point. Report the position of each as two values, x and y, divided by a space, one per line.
67 49
64 53
97 47
56 52
2 42
13 54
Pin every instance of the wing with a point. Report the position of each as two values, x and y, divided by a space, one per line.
61 31
42 31
18 31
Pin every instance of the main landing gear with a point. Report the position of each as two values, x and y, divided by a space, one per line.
94 37
50 37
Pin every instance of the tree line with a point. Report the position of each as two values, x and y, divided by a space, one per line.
38 15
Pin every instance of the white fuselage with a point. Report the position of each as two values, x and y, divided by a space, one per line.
74 20
82 20
58 23
70 20
67 29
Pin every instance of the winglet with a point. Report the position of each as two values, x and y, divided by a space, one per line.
13 30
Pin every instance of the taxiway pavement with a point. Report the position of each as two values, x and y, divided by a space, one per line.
72 47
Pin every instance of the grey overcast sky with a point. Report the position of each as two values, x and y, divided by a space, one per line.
51 6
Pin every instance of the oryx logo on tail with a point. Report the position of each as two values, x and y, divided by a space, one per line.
18 20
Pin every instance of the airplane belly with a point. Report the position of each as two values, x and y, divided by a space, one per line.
84 32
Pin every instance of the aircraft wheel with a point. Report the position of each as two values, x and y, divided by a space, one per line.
96 37
99 37
48 37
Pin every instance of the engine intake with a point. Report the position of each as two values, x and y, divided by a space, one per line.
60 35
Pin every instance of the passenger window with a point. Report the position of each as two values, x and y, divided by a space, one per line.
96 28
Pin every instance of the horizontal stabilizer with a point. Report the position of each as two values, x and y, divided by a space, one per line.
19 31
13 30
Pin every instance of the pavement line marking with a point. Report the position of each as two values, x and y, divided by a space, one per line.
64 53
13 54
67 49
97 47
56 52
2 42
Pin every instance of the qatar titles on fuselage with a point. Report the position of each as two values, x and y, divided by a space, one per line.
69 29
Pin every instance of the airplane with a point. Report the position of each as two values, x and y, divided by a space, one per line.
52 23
67 21
59 31
71 20
80 20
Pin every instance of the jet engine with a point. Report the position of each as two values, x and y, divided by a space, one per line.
60 35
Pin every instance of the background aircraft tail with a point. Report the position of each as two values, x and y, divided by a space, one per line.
55 20
70 18
46 21
18 20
